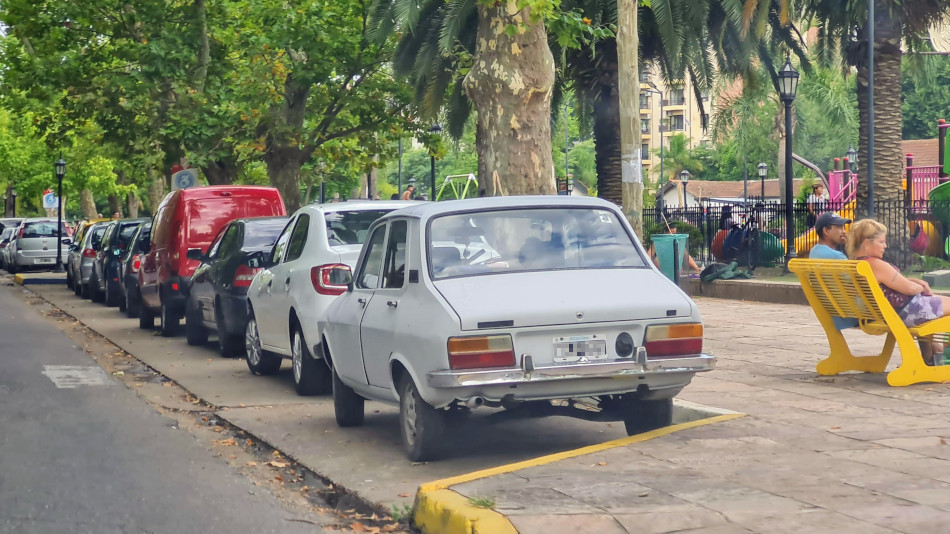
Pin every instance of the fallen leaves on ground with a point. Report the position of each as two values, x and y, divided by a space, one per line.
251 464
277 464
229 441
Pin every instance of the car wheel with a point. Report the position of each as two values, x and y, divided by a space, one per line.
110 296
229 345
168 321
77 287
195 331
420 424
131 306
94 294
69 279
311 377
86 291
645 415
146 318
12 268
347 405
259 361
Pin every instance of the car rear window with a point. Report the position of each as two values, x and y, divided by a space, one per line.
262 234
41 229
207 216
519 240
125 233
350 227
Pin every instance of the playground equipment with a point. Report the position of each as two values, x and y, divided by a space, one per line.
459 190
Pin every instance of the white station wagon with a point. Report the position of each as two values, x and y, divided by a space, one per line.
508 302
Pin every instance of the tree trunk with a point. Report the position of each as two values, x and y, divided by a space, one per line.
220 172
115 206
204 49
607 125
510 85
87 204
284 156
8 199
628 77
156 189
133 203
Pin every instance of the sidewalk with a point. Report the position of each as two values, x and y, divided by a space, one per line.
812 454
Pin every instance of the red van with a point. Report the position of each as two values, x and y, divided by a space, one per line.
191 218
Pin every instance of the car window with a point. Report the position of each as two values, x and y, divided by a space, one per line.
394 273
145 239
231 240
369 273
212 251
350 227
299 238
529 239
281 244
260 234
41 229
95 237
125 233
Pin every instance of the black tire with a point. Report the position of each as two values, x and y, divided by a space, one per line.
259 361
77 288
12 267
347 405
168 321
311 377
94 294
645 415
195 331
69 279
420 425
109 296
121 298
131 305
146 318
229 345
86 290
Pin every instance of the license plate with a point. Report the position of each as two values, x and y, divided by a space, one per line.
44 260
580 349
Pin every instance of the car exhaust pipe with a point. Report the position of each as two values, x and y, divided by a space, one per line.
475 402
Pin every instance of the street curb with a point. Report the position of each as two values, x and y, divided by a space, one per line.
23 280
19 279
439 510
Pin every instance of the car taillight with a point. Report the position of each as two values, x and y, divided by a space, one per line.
20 234
89 253
673 340
136 263
481 351
320 278
3 245
243 275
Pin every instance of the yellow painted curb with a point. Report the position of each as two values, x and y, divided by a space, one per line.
439 510
18 279
447 512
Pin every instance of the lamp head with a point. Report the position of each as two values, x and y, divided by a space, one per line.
763 169
60 167
788 81
852 154
684 176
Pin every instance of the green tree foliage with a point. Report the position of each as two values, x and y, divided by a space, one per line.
925 92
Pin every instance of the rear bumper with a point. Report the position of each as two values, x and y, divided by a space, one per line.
234 312
173 294
609 370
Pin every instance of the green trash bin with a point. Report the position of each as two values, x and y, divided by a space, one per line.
663 245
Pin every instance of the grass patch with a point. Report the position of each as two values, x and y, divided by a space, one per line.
482 502
402 512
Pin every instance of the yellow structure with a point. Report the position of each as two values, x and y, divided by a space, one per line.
848 289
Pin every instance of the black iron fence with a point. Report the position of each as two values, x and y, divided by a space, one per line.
709 225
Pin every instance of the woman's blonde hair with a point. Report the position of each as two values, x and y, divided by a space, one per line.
860 232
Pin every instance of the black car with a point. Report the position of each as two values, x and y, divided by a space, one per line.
106 268
129 264
217 292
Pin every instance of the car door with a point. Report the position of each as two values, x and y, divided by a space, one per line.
382 319
202 284
265 305
289 268
349 308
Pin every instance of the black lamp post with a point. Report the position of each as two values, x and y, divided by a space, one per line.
60 167
788 87
852 158
763 172
13 192
684 177
436 128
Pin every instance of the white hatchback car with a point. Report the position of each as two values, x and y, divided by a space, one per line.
508 302
289 294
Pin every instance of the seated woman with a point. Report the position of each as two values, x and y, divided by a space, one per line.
911 298
687 263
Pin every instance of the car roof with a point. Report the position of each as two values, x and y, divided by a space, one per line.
214 191
426 210
365 205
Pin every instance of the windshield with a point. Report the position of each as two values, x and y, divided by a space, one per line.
529 240
350 227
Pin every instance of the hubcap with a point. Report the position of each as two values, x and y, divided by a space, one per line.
252 342
297 352
410 421
164 319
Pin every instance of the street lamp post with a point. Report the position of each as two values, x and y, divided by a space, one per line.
684 177
13 192
853 158
788 87
763 172
436 128
60 167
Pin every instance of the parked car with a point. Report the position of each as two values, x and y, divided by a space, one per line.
106 267
508 302
82 258
129 264
217 292
34 244
186 219
10 222
4 241
292 292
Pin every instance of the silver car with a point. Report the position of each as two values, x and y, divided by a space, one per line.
4 242
83 257
34 244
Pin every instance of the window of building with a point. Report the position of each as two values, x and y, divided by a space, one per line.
676 97
644 124
644 100
676 123
645 151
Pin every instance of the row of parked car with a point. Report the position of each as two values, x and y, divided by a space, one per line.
31 243
439 307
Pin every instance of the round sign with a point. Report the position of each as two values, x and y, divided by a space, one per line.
50 201
185 178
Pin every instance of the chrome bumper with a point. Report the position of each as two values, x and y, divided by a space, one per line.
631 368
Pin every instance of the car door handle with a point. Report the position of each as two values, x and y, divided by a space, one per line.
392 303
362 301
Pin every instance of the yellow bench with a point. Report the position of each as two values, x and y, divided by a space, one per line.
848 289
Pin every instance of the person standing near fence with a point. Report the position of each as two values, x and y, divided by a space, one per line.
816 203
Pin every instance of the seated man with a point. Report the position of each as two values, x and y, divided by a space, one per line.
831 237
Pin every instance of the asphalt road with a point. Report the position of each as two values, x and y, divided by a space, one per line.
89 455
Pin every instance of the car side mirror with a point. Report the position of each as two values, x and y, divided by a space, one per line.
194 254
255 260
67 241
341 277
